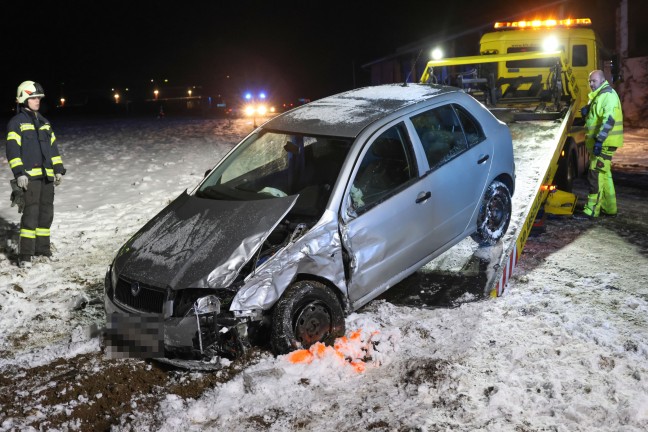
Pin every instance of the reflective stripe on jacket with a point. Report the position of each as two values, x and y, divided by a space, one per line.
31 146
604 121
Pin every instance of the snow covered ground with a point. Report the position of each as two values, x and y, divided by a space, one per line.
565 349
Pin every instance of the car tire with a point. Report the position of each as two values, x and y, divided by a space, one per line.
494 215
308 312
567 169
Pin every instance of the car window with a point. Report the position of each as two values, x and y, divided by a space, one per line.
274 164
387 165
440 133
266 157
472 128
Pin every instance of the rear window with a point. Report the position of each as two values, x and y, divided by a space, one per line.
471 127
441 134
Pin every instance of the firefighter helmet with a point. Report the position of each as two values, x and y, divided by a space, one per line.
29 89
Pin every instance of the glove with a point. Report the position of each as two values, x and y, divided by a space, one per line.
58 178
585 110
22 182
598 146
17 196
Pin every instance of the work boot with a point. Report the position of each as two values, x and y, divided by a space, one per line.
582 215
24 261
610 215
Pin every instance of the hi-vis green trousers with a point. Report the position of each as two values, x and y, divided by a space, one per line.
602 196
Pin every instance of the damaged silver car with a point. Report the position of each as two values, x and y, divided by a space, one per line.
310 217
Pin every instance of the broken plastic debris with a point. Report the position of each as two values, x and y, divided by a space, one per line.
350 350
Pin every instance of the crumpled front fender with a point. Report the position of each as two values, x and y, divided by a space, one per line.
317 253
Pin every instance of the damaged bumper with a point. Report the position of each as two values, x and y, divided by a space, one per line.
204 333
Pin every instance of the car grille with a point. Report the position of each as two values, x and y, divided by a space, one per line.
149 299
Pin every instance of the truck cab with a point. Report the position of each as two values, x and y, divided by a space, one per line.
574 37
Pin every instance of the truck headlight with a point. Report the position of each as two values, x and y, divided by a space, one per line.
550 44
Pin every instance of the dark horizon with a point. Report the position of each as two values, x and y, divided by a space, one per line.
290 50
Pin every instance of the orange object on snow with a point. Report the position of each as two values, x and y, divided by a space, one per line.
351 350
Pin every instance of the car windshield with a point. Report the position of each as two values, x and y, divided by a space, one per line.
273 164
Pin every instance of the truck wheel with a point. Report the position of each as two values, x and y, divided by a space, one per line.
494 214
567 170
308 312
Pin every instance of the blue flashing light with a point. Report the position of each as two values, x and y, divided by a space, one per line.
262 95
248 96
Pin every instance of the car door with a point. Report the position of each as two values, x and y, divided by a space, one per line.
385 218
457 172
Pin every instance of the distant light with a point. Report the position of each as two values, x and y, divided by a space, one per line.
248 96
550 44
249 110
116 97
262 109
437 54
62 101
189 93
156 93
262 95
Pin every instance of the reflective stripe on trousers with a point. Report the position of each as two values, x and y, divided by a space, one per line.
37 218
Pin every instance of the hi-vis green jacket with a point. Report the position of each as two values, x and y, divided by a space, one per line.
31 146
604 121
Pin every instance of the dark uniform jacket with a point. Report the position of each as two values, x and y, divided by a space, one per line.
31 146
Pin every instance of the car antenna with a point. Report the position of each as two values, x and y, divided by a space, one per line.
412 68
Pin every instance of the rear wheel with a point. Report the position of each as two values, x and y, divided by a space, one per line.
494 214
567 170
308 312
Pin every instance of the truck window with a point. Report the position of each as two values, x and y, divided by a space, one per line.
579 55
533 63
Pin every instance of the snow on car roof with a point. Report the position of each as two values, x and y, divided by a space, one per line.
347 114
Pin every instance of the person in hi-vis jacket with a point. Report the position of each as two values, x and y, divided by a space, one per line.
37 166
604 124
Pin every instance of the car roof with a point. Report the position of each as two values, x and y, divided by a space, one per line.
347 114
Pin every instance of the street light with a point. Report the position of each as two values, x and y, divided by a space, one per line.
156 92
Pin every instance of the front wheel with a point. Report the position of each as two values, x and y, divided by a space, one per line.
308 312
494 215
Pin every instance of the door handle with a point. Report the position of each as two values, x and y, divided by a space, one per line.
423 196
483 159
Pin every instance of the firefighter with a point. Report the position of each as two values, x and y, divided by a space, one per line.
604 124
36 164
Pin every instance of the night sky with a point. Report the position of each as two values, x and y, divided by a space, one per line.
295 49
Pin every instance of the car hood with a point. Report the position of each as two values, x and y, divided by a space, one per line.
200 243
